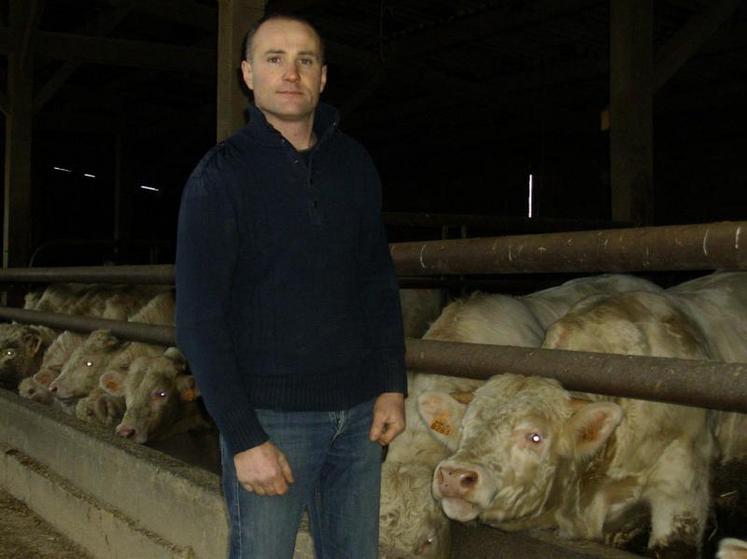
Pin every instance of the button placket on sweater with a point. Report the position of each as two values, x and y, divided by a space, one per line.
313 193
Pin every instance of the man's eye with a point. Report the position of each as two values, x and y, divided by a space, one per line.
273 59
307 61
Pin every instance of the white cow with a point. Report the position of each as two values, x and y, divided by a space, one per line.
22 348
717 303
530 454
481 318
102 351
160 397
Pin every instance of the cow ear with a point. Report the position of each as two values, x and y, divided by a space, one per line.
176 357
33 341
443 416
188 391
732 548
112 382
592 424
463 397
45 377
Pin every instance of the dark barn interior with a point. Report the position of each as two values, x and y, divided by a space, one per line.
458 102
465 105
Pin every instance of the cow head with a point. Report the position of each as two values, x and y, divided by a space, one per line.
412 523
21 350
154 388
517 445
81 372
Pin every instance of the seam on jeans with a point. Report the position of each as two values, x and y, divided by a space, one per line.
237 508
341 419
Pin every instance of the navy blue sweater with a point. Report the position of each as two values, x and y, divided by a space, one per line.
286 293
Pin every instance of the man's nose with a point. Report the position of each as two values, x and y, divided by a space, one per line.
291 73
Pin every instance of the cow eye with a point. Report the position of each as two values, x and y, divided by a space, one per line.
89 363
160 394
10 352
535 438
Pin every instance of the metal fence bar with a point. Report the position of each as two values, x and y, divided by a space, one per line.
706 384
148 333
680 381
157 274
683 247
707 246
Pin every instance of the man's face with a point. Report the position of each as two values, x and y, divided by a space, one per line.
285 71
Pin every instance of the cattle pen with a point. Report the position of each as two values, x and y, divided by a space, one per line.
120 499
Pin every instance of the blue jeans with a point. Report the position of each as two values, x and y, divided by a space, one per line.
337 473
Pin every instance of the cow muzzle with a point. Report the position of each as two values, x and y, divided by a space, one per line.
458 488
456 482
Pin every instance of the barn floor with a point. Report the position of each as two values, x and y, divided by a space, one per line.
24 535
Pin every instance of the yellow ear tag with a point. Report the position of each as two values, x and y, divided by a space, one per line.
440 424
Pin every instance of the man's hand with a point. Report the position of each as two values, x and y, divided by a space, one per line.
263 470
388 417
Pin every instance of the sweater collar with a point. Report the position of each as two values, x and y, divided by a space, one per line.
326 119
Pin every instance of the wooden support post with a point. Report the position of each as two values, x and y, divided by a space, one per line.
234 19
631 110
17 211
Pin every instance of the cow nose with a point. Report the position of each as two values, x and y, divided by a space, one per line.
456 482
125 431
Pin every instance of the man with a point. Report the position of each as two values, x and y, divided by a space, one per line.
287 310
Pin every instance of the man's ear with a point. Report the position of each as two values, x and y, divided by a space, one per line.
246 72
324 78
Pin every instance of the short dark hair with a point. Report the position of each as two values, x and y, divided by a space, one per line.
279 15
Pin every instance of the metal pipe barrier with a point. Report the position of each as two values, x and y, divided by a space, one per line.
707 384
148 333
707 246
142 274
678 381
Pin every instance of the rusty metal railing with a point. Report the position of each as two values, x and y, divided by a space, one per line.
678 381
707 246
687 247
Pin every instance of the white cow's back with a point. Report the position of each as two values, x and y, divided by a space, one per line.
717 303
553 303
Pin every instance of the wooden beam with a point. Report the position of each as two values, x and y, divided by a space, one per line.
53 84
688 40
4 104
185 12
17 192
631 110
120 52
481 24
234 19
30 29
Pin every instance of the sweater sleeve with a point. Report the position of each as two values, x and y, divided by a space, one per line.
206 256
380 292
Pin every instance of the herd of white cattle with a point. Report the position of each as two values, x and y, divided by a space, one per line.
512 452
142 390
